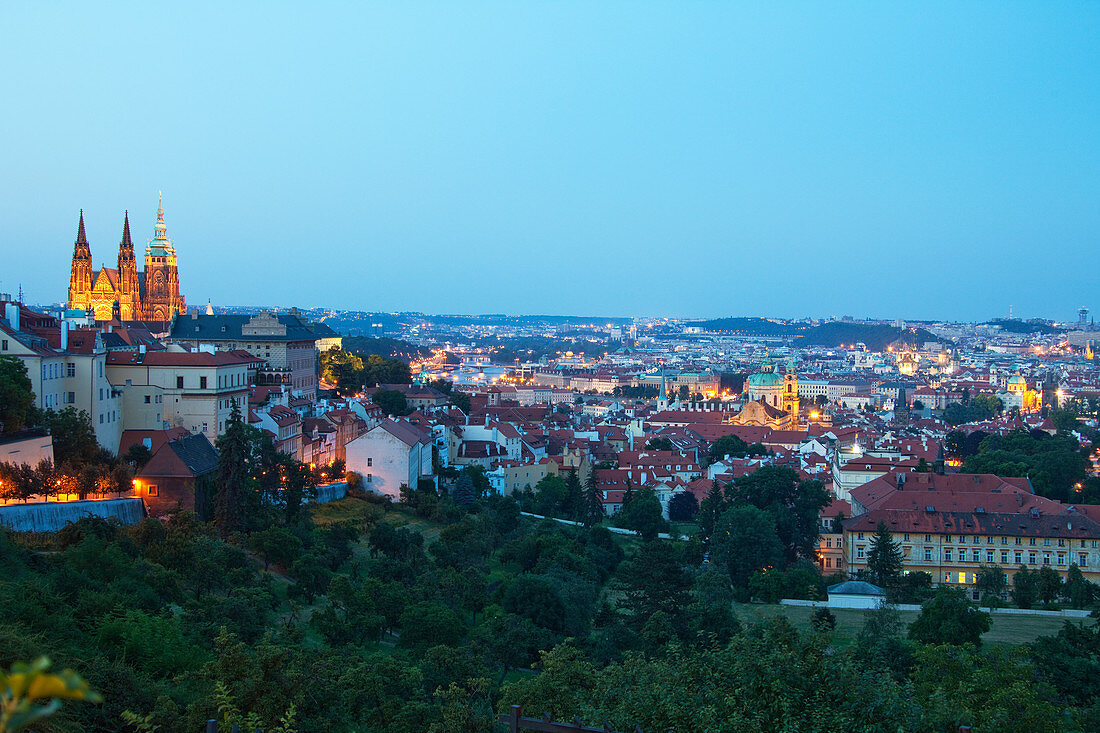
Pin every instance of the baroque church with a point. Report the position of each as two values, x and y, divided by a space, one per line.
122 293
771 398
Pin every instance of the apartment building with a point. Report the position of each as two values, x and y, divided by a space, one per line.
193 390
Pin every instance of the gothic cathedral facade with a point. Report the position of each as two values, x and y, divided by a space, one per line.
122 293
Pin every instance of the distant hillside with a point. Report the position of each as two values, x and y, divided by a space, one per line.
1015 325
387 347
876 336
751 327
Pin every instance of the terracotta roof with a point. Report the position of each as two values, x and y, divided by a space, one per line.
175 358
1068 524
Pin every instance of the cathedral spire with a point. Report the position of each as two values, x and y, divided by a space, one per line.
126 241
81 237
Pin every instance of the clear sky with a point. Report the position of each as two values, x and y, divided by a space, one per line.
885 159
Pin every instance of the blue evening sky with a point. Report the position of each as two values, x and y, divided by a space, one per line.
885 159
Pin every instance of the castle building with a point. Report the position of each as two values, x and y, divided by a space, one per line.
122 293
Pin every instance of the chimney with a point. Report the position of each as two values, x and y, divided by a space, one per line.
64 335
195 314
901 480
141 348
12 312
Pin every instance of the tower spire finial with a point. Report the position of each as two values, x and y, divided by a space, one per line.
126 241
81 238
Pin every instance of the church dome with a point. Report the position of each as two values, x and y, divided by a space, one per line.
765 379
1017 379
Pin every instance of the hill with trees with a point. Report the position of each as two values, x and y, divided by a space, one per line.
439 612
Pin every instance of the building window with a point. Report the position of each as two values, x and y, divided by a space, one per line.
70 370
947 538
860 535
1046 542
1019 558
989 555
1004 540
859 552
977 556
1061 543
1046 559
906 537
989 540
202 382
1082 559
204 427
1004 557
179 382
947 555
928 538
1019 541
370 477
370 462
1061 558
1031 558
4 345
72 397
147 399
1031 542
828 543
153 490
101 418
927 555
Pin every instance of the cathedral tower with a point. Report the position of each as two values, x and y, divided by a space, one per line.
129 292
80 275
162 298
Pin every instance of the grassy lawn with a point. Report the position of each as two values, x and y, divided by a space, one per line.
1004 629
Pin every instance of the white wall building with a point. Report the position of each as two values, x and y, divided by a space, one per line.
390 455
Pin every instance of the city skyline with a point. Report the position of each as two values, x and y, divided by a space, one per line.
622 160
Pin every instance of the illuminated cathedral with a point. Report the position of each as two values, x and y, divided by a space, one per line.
122 293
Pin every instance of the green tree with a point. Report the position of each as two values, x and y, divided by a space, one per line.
73 436
991 582
794 506
236 497
593 500
728 445
884 558
1025 588
683 507
1077 590
463 493
710 509
1049 584
643 514
572 506
391 401
276 545
745 541
653 580
953 443
949 618
429 623
535 598
16 396
461 400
